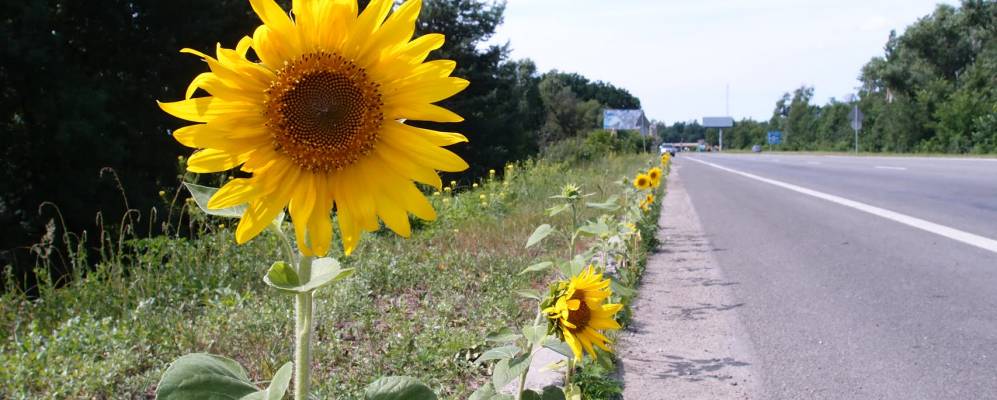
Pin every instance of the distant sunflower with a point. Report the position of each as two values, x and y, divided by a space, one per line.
655 175
642 182
665 158
646 203
319 120
577 313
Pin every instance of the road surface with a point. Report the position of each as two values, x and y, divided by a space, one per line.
860 277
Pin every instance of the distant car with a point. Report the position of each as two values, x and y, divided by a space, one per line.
667 148
756 149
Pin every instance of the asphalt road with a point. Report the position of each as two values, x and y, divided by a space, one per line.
843 304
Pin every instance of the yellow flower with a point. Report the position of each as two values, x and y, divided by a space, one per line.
483 197
453 183
665 158
642 182
655 175
646 203
320 121
474 185
491 172
447 189
578 314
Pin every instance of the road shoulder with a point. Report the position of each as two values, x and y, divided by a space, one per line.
685 341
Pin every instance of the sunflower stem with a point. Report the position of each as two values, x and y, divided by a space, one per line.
303 333
522 377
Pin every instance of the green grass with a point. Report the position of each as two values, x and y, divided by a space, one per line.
419 307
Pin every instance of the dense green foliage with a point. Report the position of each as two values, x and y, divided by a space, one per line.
80 85
934 90
419 307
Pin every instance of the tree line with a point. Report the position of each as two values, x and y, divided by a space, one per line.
80 84
934 90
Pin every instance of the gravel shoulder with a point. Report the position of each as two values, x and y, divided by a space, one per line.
685 341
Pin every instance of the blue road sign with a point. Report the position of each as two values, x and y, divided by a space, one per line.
775 137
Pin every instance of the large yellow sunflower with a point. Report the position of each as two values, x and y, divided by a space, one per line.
319 120
655 175
577 312
642 182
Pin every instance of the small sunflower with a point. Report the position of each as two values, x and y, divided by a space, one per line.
655 175
319 121
577 313
646 203
665 158
642 182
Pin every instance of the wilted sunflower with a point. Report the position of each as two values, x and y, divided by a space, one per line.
319 120
576 312
642 182
655 175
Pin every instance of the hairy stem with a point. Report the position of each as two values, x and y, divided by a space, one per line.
526 371
303 333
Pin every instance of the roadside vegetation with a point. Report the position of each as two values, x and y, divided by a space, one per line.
420 307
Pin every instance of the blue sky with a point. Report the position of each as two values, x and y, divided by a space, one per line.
678 56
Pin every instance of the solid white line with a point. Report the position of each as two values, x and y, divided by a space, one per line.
893 168
941 230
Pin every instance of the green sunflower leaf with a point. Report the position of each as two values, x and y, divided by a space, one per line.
540 266
202 194
202 376
560 347
611 204
509 369
325 271
504 335
398 388
278 385
529 294
539 234
499 353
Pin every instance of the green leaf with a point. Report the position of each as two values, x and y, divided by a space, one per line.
398 388
485 392
560 347
557 209
508 369
278 385
535 333
202 194
620 289
529 294
503 335
324 271
529 395
597 228
552 393
540 266
279 382
539 234
611 204
573 267
499 353
202 376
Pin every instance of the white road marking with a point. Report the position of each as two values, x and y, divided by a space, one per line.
928 226
893 168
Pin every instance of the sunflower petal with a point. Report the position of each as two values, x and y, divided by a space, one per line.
214 160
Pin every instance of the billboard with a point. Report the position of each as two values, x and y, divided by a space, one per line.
718 122
626 120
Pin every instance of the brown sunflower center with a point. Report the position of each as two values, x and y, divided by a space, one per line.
323 111
580 317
